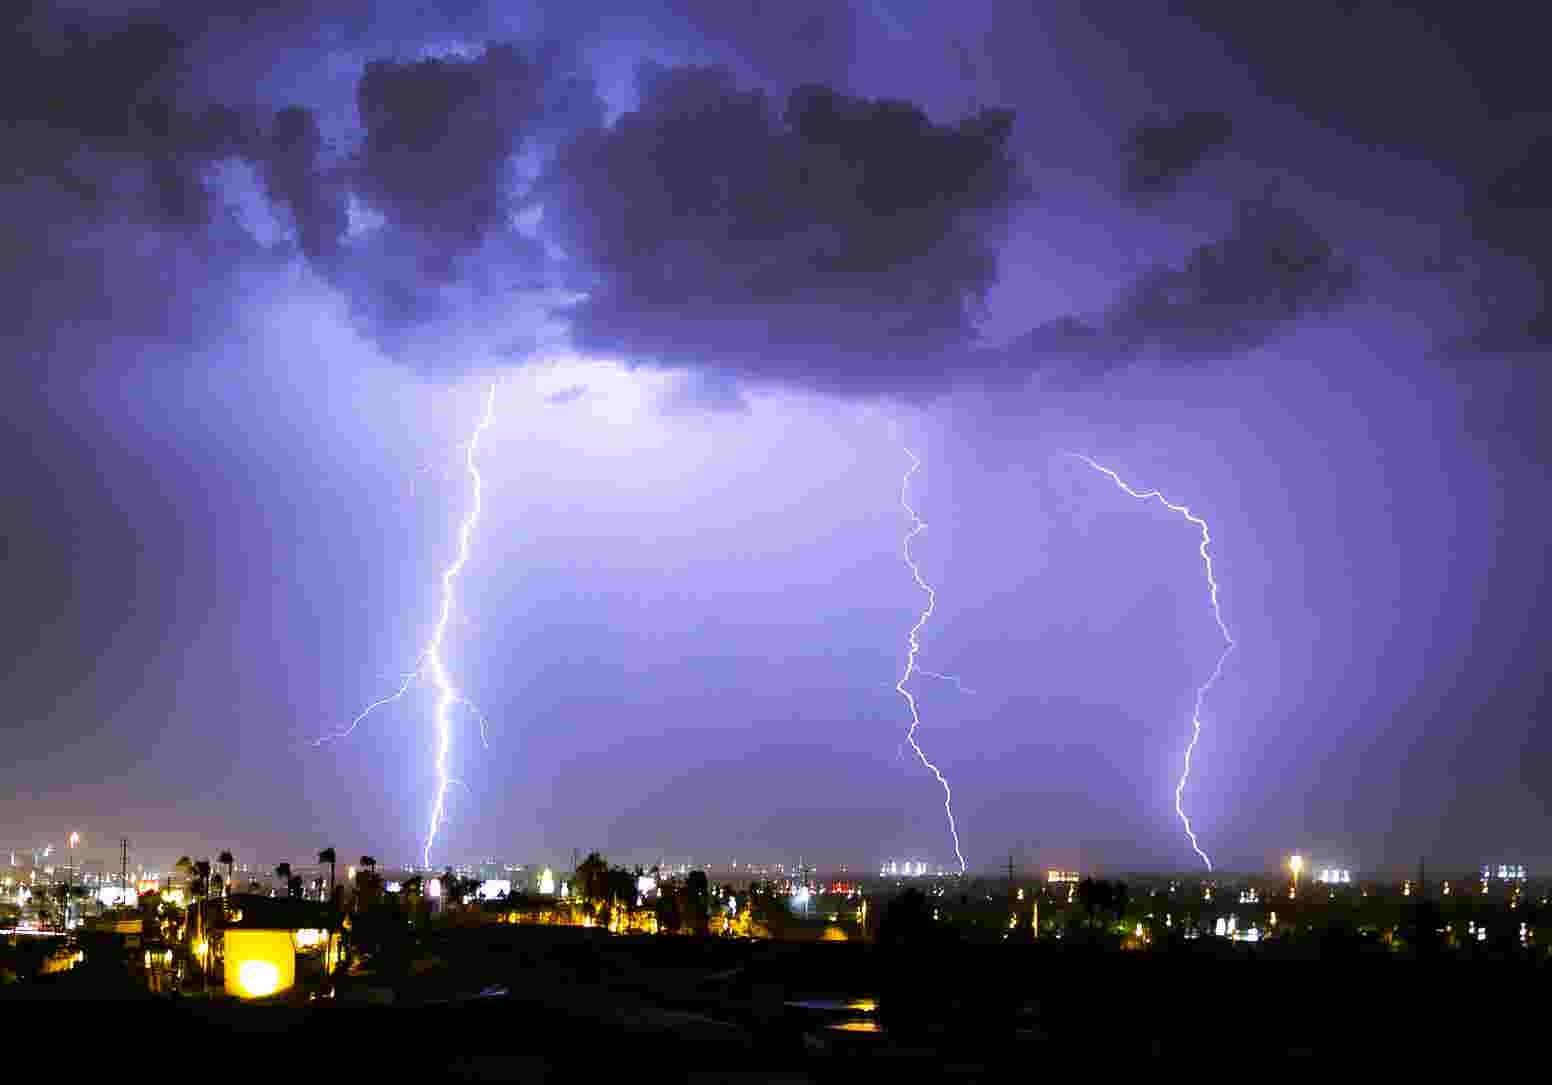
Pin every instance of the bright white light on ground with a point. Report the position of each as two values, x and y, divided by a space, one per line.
492 888
258 978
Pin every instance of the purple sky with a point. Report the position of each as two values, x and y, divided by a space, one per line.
724 262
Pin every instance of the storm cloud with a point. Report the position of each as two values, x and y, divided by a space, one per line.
1159 153
843 243
1228 297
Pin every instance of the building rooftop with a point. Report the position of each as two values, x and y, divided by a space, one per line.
249 911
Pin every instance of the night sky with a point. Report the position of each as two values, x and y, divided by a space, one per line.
725 262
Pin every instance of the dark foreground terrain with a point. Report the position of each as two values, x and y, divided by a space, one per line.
532 1004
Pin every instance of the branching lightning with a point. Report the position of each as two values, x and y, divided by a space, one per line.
447 693
951 679
918 525
1228 641
430 663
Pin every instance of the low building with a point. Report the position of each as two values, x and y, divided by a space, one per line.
268 942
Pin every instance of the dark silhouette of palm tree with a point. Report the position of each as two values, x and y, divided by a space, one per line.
327 856
283 873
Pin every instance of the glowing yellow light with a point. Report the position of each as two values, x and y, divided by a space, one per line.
1296 864
258 978
259 962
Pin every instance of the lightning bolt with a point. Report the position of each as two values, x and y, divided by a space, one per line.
1228 641
918 525
447 693
430 663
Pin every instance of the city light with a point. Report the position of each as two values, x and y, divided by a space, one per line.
258 979
259 963
492 888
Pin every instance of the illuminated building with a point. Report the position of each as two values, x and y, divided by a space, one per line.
1061 877
1334 876
1504 872
266 939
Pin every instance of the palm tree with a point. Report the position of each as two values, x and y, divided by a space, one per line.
202 869
283 874
327 856
226 860
368 863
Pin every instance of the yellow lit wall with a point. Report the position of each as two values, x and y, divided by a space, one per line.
259 963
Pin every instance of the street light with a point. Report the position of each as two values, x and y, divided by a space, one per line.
75 838
1295 864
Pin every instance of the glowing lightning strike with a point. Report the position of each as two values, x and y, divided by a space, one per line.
447 693
430 661
1228 641
917 527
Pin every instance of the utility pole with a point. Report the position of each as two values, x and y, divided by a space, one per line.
123 870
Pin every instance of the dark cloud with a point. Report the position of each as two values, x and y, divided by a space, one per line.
1511 214
439 136
1236 293
111 232
1086 346
1230 296
103 114
1159 153
113 184
298 179
844 243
